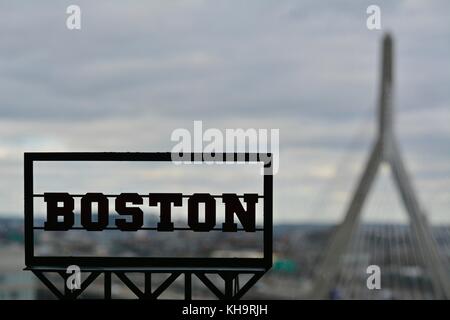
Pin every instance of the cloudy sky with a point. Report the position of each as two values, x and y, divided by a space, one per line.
137 70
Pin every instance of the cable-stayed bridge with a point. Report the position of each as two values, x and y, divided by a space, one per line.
412 250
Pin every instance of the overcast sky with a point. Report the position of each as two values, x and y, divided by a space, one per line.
137 70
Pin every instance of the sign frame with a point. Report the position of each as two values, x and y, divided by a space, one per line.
144 263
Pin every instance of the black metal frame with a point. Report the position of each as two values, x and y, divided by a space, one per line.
232 289
228 268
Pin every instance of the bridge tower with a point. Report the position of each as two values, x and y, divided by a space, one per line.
385 150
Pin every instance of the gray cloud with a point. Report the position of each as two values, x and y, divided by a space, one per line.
138 70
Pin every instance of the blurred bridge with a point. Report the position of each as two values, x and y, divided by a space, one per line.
414 250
